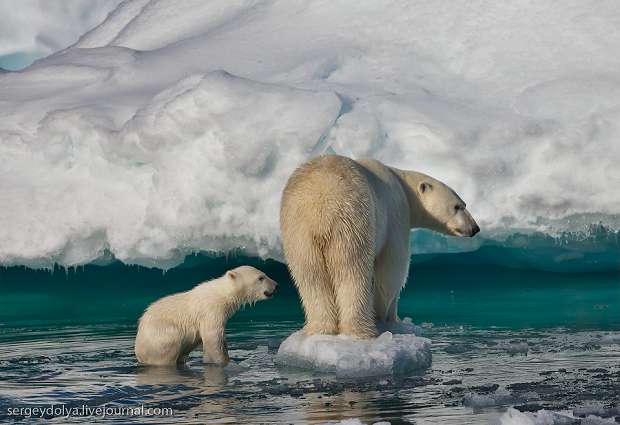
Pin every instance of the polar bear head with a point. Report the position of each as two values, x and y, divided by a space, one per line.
250 284
435 206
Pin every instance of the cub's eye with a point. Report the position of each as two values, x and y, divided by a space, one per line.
457 208
260 279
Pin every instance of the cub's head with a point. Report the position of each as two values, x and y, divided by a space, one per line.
251 284
437 207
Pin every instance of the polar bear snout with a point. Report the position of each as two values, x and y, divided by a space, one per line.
466 233
272 286
463 224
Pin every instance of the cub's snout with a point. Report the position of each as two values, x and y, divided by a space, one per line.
270 289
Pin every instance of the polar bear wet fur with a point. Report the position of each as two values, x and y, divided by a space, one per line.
345 231
173 326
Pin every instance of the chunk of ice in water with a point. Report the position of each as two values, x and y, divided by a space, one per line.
515 348
405 326
387 354
610 339
500 397
542 417
355 421
596 410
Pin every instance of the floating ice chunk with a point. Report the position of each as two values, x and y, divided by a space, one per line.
346 422
515 348
610 339
346 356
596 410
405 326
500 397
354 421
542 417
545 417
595 420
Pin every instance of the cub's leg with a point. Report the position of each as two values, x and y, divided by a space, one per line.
158 343
215 350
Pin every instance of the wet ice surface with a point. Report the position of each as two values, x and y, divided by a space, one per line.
396 350
475 376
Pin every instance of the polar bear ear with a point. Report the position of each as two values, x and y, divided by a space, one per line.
231 274
425 187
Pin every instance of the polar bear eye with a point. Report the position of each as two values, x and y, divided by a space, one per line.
458 208
261 278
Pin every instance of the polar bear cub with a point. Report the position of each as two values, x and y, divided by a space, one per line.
173 326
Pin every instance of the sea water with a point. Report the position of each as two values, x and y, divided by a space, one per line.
501 338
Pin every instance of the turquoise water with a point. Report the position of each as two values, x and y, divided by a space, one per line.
17 61
501 337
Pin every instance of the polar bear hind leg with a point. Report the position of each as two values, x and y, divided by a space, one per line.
160 348
352 272
316 290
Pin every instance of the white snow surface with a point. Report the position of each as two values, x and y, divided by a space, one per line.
41 27
395 351
172 126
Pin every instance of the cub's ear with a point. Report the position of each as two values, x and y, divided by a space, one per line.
231 274
425 187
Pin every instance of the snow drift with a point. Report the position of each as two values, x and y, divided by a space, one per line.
171 128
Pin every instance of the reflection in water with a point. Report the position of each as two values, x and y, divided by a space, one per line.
212 377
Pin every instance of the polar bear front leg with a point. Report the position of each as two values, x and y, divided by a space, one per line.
391 269
214 348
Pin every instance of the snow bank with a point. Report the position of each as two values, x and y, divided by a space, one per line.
172 128
32 29
345 356
195 158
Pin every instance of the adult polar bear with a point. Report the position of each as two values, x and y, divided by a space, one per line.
345 230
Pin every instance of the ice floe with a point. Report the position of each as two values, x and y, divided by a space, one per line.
387 354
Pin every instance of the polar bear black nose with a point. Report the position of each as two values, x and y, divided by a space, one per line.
475 229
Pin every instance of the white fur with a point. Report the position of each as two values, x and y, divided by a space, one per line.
173 326
345 231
